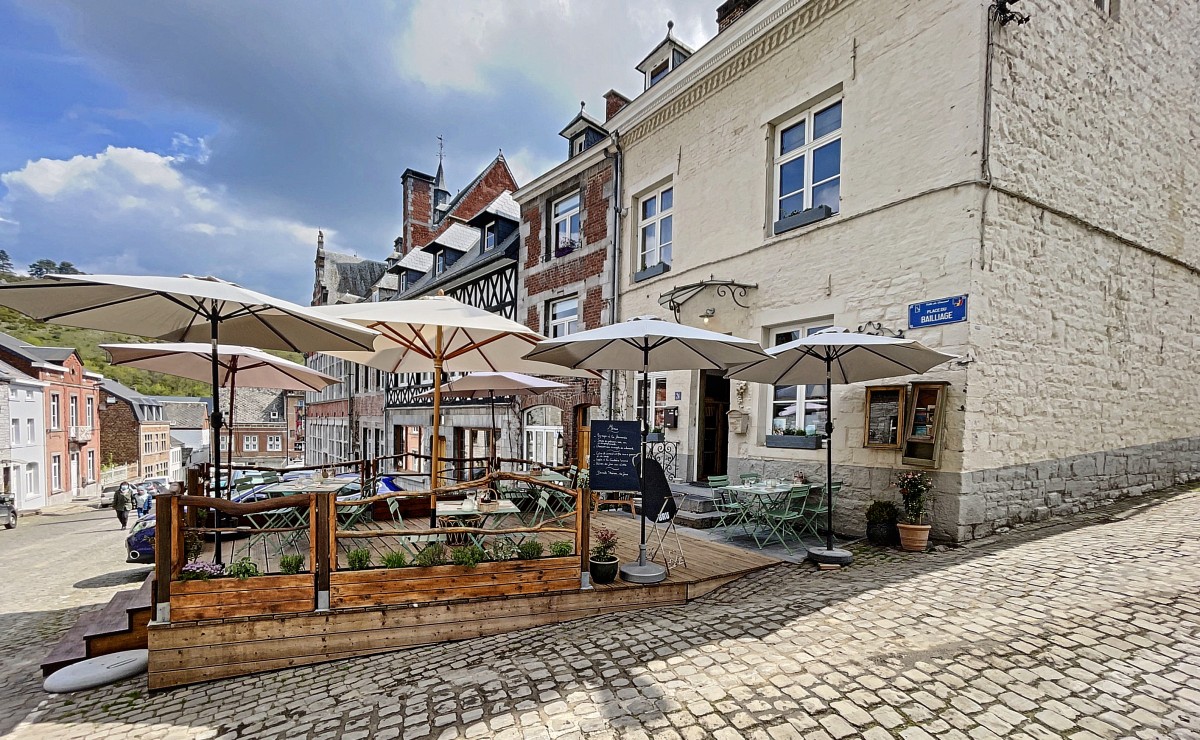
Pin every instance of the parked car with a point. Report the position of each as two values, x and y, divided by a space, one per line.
139 544
8 510
106 496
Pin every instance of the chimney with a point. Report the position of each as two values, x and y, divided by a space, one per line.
730 10
613 102
418 209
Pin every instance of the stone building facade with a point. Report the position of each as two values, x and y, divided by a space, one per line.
1036 169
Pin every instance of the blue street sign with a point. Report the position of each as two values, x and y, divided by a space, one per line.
934 313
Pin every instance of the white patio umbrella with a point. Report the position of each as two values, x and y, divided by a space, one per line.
445 335
183 309
837 355
489 385
647 344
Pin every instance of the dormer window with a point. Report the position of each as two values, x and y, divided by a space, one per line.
489 236
439 262
404 281
668 55
659 72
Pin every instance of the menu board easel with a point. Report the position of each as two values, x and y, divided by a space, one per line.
615 448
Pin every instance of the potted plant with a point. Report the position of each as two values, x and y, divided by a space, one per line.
914 533
655 435
881 523
603 561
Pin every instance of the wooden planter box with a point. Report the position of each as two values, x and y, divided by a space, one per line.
794 441
413 585
234 597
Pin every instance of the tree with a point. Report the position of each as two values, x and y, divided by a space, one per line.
6 265
66 268
43 267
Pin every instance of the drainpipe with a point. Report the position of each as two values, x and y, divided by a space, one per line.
616 258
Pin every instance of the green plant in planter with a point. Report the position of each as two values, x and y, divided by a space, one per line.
504 549
468 556
242 568
198 571
561 549
193 545
881 523
605 547
291 564
430 555
913 486
395 559
529 550
359 559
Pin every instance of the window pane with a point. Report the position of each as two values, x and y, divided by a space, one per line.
649 238
791 176
827 121
566 205
783 337
664 254
791 204
575 227
666 226
791 138
828 194
668 197
827 161
649 207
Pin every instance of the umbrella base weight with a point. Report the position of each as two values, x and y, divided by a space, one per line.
836 556
643 573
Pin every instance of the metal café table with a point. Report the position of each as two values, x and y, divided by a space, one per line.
759 498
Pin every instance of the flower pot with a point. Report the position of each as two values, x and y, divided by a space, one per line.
914 537
794 441
603 571
882 534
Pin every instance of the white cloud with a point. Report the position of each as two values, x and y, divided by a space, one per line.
130 210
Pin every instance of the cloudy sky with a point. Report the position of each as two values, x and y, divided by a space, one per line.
153 137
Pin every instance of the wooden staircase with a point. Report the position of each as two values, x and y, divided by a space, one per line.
119 625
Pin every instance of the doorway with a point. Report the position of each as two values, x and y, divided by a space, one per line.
712 430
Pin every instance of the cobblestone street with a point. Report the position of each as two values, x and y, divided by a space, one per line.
1084 628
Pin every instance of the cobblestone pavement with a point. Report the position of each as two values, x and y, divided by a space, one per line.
1083 629
53 567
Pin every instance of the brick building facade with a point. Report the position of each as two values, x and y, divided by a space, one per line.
137 430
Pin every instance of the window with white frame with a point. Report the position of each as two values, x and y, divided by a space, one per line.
55 413
658 400
798 407
16 432
224 443
30 429
544 434
249 443
274 443
564 226
73 410
91 411
808 161
562 317
656 228
91 471
28 395
489 236
439 262
56 472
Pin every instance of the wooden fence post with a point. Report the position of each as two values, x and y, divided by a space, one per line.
321 537
583 523
164 526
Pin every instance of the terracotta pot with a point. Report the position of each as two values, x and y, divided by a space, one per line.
914 537
603 571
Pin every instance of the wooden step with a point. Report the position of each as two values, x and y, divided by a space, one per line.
114 617
71 647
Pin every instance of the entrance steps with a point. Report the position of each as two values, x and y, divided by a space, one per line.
119 625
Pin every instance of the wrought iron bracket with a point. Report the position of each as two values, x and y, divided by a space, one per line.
875 328
674 298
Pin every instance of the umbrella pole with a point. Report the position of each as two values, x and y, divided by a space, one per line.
644 571
435 462
828 452
494 437
216 429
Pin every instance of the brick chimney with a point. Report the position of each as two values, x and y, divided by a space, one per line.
418 209
730 10
613 102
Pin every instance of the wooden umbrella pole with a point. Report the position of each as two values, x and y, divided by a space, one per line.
435 452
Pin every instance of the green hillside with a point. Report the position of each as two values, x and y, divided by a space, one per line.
87 343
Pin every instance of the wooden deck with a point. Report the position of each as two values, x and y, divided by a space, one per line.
185 652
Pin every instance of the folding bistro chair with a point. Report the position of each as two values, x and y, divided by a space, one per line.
658 506
783 517
816 506
733 513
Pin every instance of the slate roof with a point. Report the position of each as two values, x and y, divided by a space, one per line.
416 260
184 413
142 404
352 275
11 373
457 237
254 405
34 353
469 262
503 206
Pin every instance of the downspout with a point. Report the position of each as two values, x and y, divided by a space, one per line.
615 261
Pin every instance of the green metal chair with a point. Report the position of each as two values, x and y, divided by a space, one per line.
718 482
782 516
816 507
733 512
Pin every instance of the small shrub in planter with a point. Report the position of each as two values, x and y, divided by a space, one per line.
193 545
430 555
242 568
529 550
881 523
395 559
504 549
914 533
291 564
359 559
603 561
198 571
561 549
468 557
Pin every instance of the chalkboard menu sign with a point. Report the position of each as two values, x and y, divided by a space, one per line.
884 412
613 465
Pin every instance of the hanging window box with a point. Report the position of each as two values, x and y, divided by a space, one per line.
794 441
802 218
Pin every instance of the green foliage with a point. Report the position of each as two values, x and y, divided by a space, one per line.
913 485
193 545
529 550
504 549
468 556
396 559
430 555
291 564
6 265
359 559
561 549
605 546
43 267
882 511
242 568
